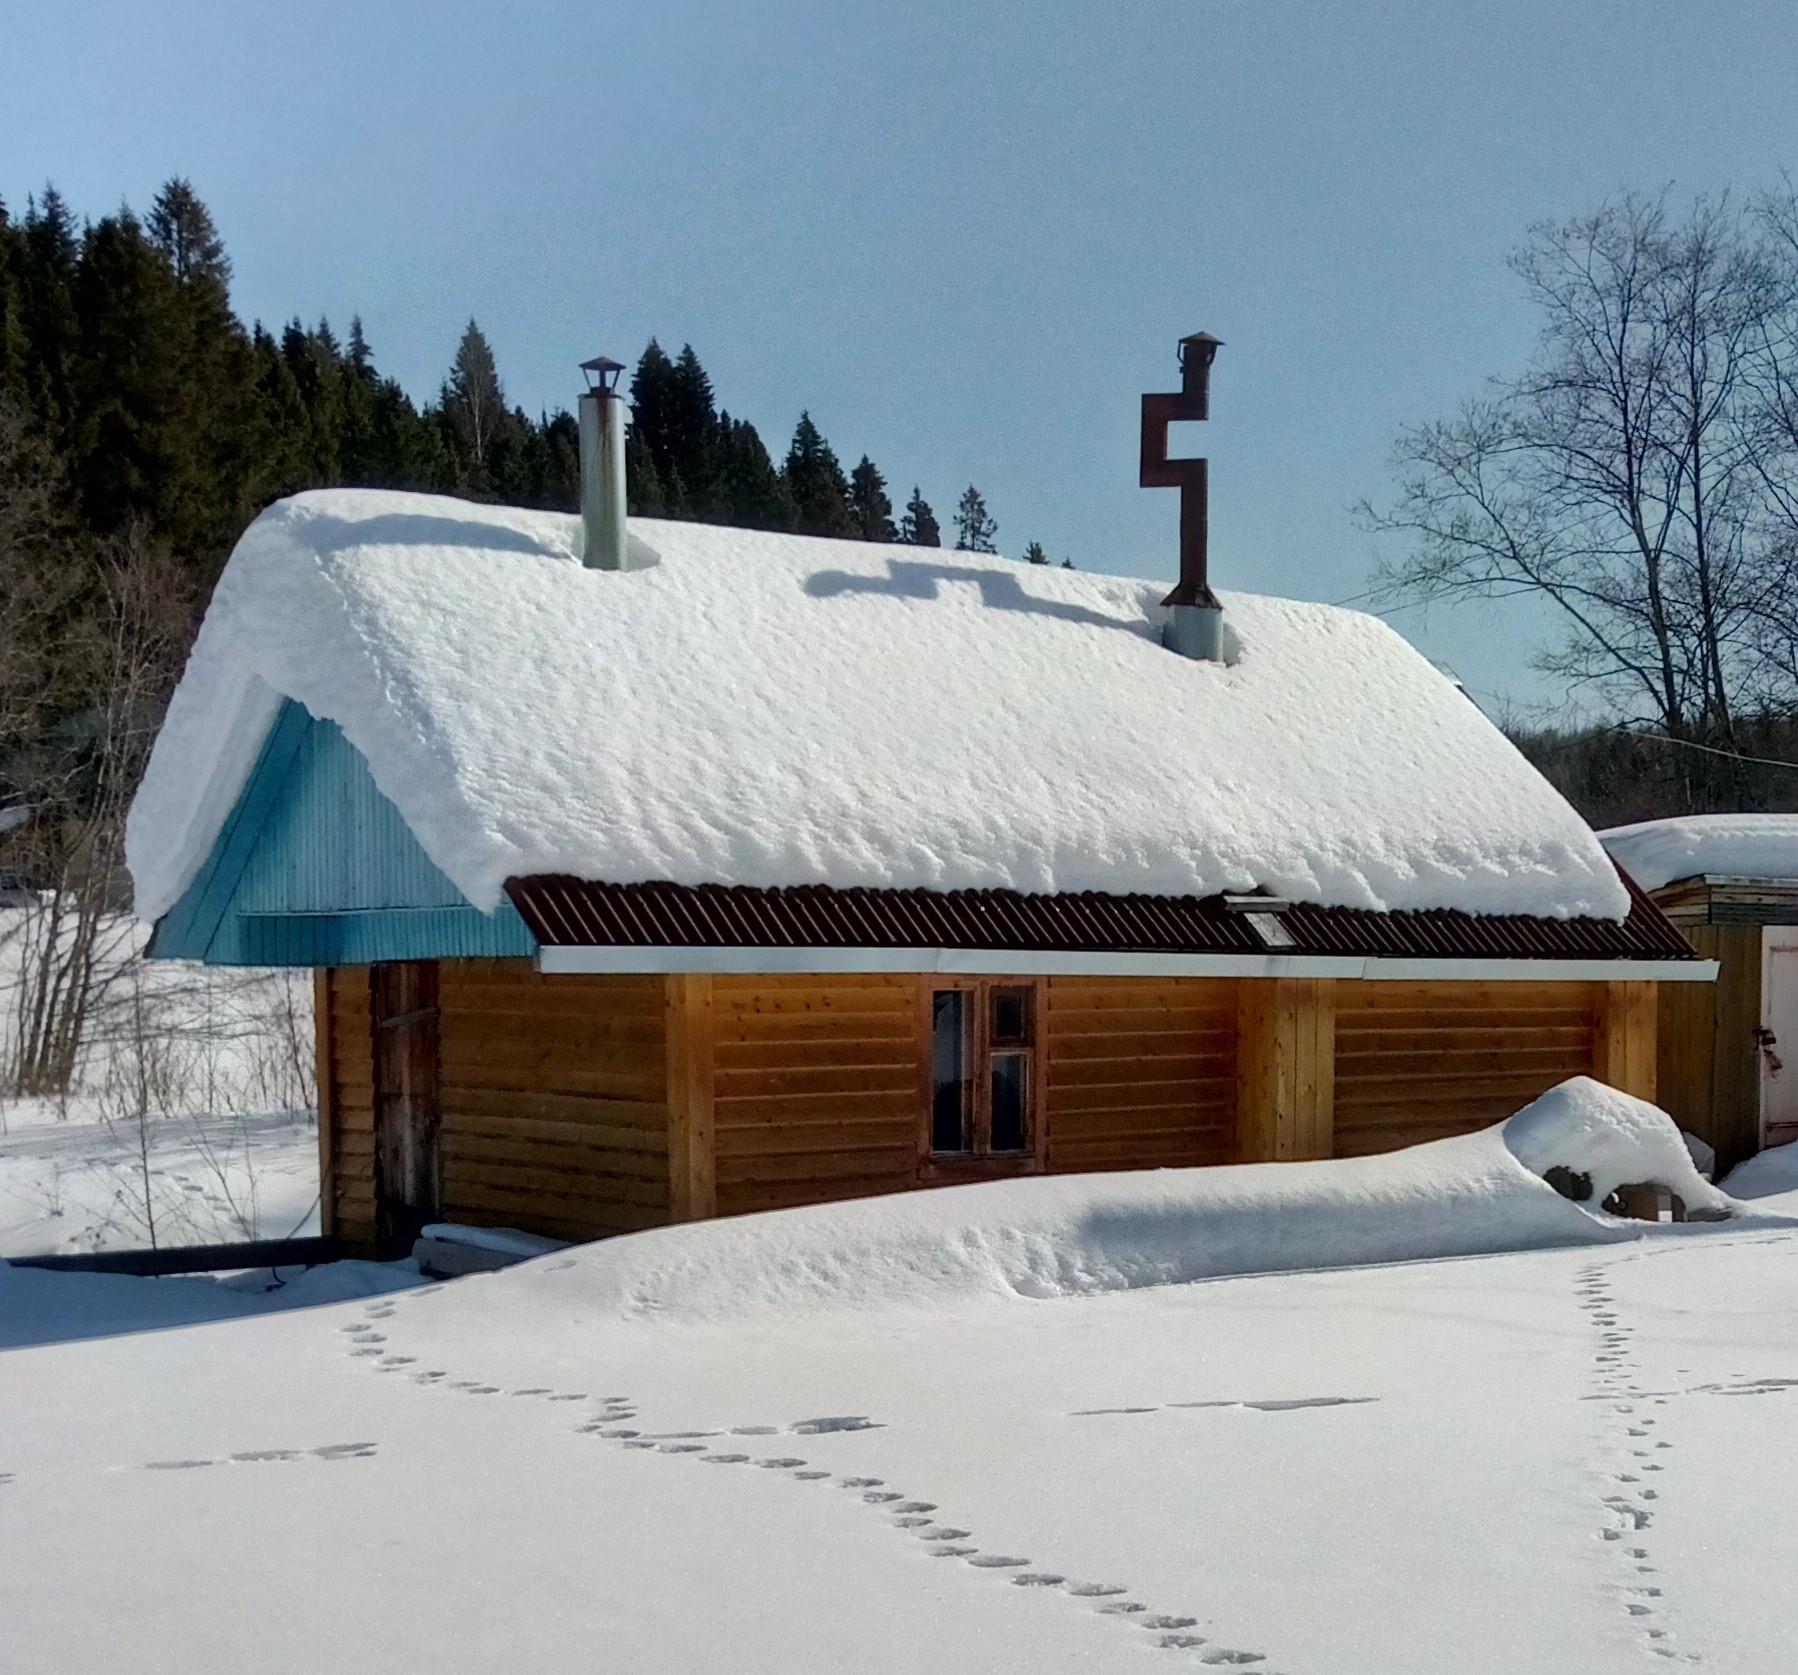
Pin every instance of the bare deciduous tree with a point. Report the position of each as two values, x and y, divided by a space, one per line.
91 636
1635 476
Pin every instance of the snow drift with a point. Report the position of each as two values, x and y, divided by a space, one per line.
1656 852
1067 1235
1770 1177
726 714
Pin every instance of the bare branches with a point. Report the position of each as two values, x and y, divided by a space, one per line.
91 637
1640 474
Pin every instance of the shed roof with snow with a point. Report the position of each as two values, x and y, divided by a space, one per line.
764 712
1763 847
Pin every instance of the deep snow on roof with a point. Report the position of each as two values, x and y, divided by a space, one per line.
1656 852
771 710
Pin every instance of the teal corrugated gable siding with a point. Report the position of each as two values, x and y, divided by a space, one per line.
315 867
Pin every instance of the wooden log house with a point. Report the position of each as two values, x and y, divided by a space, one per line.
685 871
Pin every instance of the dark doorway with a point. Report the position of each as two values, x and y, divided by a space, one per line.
408 1122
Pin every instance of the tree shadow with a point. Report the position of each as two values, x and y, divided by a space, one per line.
999 591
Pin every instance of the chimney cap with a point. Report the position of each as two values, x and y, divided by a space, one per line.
1206 345
602 372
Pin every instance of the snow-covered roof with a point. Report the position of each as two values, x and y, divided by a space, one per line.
750 708
1656 852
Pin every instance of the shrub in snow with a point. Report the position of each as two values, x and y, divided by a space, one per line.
1591 1142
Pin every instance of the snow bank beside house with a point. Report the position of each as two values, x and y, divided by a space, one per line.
1069 1235
775 710
1656 852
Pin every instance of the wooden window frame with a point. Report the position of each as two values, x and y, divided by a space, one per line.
980 1163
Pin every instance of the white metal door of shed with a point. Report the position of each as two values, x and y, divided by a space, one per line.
1779 1034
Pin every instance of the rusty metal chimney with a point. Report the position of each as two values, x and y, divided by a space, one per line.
1195 625
602 467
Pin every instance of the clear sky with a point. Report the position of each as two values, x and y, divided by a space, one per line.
964 233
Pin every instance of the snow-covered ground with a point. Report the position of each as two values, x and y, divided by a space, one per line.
79 1182
985 1429
190 1119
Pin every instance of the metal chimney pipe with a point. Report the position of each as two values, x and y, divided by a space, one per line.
603 533
1195 626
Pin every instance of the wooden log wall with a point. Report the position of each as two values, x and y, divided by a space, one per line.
1421 1061
1286 1054
1141 1072
346 1106
582 1106
815 1088
555 1111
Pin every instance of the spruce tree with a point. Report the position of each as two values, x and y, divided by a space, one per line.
692 436
474 403
48 258
918 528
816 483
869 504
182 228
653 403
974 529
643 482
1034 554
751 493
12 304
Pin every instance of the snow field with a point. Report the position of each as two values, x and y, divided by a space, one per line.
750 1459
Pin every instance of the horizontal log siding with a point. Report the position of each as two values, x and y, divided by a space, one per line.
350 1187
555 1115
1421 1061
1140 1072
816 1088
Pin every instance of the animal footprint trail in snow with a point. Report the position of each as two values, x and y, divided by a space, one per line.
1630 1506
916 1518
268 1456
1280 1404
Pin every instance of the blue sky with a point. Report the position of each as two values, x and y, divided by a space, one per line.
965 235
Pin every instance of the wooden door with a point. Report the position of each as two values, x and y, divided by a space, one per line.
408 1119
1779 1035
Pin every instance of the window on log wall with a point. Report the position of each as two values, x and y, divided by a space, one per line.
983 1098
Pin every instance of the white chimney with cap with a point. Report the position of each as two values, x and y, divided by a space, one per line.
603 534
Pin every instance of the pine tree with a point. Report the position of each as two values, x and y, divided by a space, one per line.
869 505
1034 554
974 529
918 528
816 483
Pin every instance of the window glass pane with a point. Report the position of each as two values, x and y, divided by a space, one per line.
1011 1101
949 1087
1011 1016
